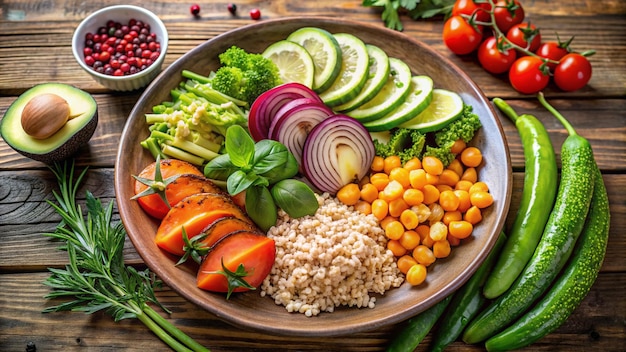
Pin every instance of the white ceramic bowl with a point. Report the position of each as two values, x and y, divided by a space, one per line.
122 14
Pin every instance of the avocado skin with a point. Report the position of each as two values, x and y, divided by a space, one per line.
14 135
68 148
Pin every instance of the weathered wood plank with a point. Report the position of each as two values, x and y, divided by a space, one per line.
35 47
594 326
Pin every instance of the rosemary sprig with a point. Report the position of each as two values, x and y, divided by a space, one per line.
96 277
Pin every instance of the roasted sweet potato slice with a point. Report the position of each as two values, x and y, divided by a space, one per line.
184 186
190 181
223 226
195 213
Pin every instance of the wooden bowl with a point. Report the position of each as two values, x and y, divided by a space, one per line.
249 310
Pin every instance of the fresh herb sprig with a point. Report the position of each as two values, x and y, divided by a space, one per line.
415 9
96 277
257 167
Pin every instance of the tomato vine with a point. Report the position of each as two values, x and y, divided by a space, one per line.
517 48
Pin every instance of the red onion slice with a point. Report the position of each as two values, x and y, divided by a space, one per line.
293 126
267 105
339 150
286 109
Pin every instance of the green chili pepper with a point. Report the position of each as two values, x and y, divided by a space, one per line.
540 185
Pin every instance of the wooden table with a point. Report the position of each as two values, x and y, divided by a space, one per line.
35 47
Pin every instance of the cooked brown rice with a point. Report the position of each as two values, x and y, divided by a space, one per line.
337 257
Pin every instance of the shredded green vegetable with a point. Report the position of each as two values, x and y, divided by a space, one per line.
191 127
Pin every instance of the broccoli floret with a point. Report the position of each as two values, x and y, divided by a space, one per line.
230 81
463 128
235 57
403 142
244 75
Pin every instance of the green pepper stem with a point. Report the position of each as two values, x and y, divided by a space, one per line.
570 129
506 109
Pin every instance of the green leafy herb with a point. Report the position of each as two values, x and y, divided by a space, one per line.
96 277
295 198
261 207
254 167
416 9
247 164
240 147
220 168
240 181
390 15
274 161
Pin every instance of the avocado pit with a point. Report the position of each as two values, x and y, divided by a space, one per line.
44 115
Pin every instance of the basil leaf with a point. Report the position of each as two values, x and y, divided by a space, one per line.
274 161
240 146
267 155
286 170
260 207
240 181
295 197
220 168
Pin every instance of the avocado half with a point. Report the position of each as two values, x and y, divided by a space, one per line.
65 142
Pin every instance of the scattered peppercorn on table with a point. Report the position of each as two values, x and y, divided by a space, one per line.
35 48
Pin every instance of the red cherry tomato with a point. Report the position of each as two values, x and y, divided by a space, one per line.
469 8
521 32
526 75
459 36
492 59
508 13
552 51
573 72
